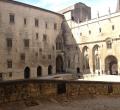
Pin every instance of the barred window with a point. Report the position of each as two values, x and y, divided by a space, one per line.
25 21
26 43
12 18
22 57
36 22
9 63
55 26
9 42
44 37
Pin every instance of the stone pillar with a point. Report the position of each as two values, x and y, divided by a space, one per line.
91 60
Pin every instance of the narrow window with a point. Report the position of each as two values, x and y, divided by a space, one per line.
37 35
113 27
55 26
12 18
100 30
9 42
22 57
36 22
44 37
46 25
81 34
26 43
25 21
9 63
89 31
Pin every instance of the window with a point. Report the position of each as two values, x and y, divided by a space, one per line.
9 63
46 25
9 42
26 43
89 31
37 35
22 57
25 21
44 37
49 56
40 50
100 30
36 22
81 34
10 74
55 26
12 18
36 54
113 27
109 45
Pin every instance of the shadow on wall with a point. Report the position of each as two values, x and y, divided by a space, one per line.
72 50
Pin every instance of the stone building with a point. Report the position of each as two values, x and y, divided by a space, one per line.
33 42
78 12
98 41
36 42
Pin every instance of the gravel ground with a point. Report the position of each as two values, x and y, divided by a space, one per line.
93 103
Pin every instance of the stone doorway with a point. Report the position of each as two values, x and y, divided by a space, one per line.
59 64
78 70
39 71
49 70
111 65
27 73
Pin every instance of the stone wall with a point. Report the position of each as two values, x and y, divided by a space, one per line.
12 91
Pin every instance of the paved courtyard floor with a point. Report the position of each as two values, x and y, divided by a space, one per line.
91 103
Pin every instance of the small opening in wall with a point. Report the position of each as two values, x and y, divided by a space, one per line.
110 88
61 88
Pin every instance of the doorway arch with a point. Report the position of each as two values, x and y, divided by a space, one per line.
27 73
39 71
49 70
111 65
59 64
78 70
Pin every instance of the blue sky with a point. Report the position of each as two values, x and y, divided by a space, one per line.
55 5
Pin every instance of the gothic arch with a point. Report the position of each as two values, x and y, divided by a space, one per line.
85 59
111 65
59 64
27 73
39 71
49 70
96 58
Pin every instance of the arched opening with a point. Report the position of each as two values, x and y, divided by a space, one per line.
59 64
27 73
85 54
39 71
96 58
111 65
49 70
78 70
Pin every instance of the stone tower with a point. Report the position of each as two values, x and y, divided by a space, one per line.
118 6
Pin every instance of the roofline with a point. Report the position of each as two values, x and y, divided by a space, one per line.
30 6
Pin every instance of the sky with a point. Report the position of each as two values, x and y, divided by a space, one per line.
101 6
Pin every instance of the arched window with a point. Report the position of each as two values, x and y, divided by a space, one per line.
96 58
85 58
39 71
27 73
109 43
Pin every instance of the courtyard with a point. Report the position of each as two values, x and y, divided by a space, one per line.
83 103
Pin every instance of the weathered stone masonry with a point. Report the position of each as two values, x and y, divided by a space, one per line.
11 91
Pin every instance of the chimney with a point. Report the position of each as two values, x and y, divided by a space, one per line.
118 6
